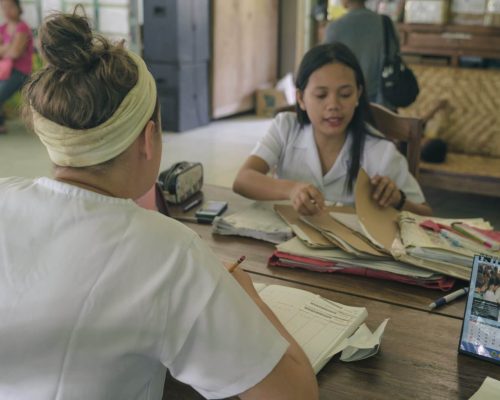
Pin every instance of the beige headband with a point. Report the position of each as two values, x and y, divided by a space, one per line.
85 147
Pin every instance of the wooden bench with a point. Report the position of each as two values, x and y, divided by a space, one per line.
463 173
460 172
460 106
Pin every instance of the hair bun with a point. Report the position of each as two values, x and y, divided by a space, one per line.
67 42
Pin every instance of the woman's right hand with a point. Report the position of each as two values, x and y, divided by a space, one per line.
306 198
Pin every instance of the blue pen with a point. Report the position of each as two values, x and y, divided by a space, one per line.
448 298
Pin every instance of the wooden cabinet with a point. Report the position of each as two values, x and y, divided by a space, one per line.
451 41
245 53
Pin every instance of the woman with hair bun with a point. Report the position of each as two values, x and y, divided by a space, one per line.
16 50
99 296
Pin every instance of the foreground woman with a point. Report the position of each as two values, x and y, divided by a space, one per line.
98 297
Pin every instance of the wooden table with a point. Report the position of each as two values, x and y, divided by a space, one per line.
418 358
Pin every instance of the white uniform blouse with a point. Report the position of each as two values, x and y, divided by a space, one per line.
99 296
292 150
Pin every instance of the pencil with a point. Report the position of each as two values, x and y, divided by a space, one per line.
235 265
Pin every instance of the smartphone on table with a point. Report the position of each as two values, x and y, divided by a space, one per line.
210 210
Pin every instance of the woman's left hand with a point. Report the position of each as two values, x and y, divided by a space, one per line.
385 191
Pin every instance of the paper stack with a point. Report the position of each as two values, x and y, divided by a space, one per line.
488 391
435 241
322 327
309 235
259 221
295 254
401 235
345 238
368 242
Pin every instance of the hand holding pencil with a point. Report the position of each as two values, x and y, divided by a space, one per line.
235 265
243 278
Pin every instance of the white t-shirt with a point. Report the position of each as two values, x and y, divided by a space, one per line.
293 151
98 296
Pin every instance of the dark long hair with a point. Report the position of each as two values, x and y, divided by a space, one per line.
316 58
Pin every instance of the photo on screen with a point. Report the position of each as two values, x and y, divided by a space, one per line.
480 336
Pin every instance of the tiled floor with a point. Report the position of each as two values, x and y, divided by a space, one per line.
221 146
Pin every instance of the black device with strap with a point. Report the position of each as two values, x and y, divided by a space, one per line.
181 181
399 84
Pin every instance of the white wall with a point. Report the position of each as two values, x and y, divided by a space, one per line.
295 33
116 19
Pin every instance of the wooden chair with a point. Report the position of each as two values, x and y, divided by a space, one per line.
406 131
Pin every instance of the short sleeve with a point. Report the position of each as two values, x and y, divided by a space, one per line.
22 27
395 166
3 32
270 148
230 346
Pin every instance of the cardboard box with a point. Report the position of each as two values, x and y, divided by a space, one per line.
268 101
176 31
426 12
183 95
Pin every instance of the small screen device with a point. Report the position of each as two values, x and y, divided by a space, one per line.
210 210
480 336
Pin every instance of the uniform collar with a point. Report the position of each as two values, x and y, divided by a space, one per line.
306 143
339 169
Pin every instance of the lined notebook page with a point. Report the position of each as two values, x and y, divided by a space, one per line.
317 324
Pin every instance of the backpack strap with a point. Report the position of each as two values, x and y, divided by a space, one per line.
389 37
385 25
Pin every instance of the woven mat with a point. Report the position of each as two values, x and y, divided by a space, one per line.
467 165
471 123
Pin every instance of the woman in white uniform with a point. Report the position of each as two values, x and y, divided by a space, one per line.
317 151
98 297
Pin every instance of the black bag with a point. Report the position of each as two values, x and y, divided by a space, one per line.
399 84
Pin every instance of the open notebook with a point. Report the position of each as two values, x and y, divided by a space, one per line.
318 325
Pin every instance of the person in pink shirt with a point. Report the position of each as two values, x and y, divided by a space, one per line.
16 43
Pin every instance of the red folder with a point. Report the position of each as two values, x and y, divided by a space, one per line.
281 259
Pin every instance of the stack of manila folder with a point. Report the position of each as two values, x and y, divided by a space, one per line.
375 240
